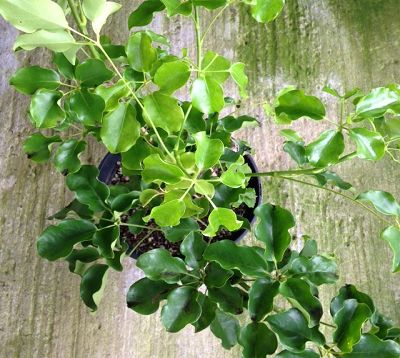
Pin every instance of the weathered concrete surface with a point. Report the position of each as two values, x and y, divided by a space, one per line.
344 43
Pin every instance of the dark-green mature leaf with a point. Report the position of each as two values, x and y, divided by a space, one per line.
28 80
261 298
257 340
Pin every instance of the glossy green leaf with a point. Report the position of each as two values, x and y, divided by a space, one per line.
370 145
210 4
384 202
44 109
376 103
222 217
370 346
177 7
171 76
88 107
57 241
92 72
232 124
163 111
181 309
231 256
28 80
105 239
91 8
144 13
318 270
29 16
181 231
296 151
294 104
66 68
133 158
308 353
145 295
125 201
267 10
207 95
192 247
159 265
215 67
261 298
349 321
57 41
37 147
78 260
66 159
157 169
291 135
225 327
88 189
103 13
75 206
92 285
293 331
113 94
208 151
239 76
299 294
392 236
204 187
229 298
235 175
216 276
120 129
257 340
272 229
208 309
141 54
169 213
326 150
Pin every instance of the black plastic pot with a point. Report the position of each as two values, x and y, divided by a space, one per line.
108 168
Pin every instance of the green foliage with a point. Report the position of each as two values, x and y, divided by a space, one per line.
189 179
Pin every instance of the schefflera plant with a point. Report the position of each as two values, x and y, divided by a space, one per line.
263 296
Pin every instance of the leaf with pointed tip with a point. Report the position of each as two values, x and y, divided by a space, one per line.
37 147
176 7
145 295
29 16
163 111
88 189
101 16
159 265
225 327
392 236
181 309
294 104
66 159
370 145
144 13
299 294
157 169
92 73
28 80
106 238
257 340
326 150
57 241
239 76
88 107
44 110
261 298
318 270
222 217
376 103
272 229
267 10
92 285
231 256
171 76
383 201
207 95
349 321
141 54
293 331
120 129
370 346
208 151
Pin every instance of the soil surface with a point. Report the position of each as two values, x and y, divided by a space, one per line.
145 240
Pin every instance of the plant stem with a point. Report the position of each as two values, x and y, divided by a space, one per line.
198 37
82 26
286 172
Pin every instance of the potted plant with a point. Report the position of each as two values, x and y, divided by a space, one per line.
177 190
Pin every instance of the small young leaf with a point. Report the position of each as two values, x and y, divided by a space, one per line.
57 241
92 72
120 129
384 202
92 285
159 265
370 145
261 298
257 340
272 229
28 80
225 327
326 150
215 67
157 169
239 76
222 217
145 295
169 213
37 147
392 236
181 309
208 151
267 10
176 7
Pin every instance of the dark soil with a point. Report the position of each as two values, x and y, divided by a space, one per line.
147 240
